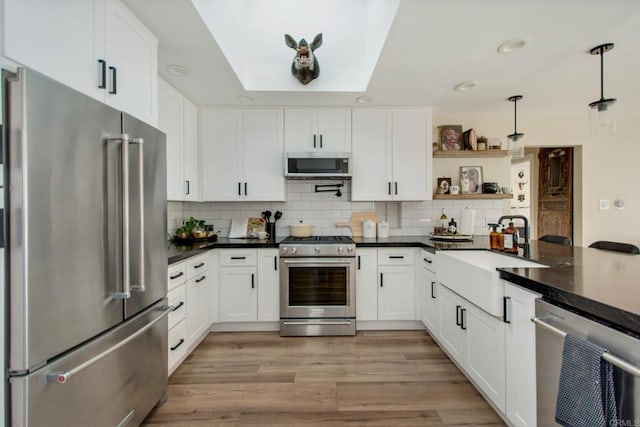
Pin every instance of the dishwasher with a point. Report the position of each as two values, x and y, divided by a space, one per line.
552 325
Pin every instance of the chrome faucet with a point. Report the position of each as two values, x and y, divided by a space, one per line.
525 246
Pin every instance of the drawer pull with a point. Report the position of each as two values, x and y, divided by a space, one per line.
175 347
396 257
381 280
199 265
201 279
177 306
433 295
427 260
238 257
176 276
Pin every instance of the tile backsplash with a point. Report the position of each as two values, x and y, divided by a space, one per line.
324 210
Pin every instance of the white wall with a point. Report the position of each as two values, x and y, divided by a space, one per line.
609 168
323 210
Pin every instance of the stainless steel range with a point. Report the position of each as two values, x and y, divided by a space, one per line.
317 286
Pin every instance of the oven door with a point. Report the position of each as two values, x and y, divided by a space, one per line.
312 288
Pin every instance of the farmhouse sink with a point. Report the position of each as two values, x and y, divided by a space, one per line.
473 275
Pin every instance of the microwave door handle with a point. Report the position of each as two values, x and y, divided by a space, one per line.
139 286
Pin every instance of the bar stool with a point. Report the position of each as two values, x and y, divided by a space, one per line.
615 246
560 240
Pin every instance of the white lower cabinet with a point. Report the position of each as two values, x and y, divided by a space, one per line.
249 285
429 294
520 356
189 294
385 284
476 341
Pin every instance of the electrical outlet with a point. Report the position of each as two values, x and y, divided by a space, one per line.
605 204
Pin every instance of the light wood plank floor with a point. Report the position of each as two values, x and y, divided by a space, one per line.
377 378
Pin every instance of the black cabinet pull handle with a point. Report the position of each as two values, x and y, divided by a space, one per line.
275 263
239 189
178 345
458 322
505 316
427 260
463 321
320 140
433 294
188 187
103 74
201 279
176 276
199 265
238 257
253 284
358 262
396 257
178 306
389 183
396 183
381 280
245 188
314 141
114 80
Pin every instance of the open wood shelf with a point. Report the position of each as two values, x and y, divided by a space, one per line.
468 153
471 196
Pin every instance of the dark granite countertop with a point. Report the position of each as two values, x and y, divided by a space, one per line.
178 253
601 285
478 243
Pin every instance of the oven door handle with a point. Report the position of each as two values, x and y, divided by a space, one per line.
345 322
316 261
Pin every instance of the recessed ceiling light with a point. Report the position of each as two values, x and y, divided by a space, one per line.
465 86
511 46
245 98
364 99
178 70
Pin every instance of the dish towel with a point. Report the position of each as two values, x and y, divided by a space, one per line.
586 394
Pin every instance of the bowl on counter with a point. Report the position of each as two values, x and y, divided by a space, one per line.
490 187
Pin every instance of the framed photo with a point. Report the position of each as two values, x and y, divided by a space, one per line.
444 184
450 137
471 179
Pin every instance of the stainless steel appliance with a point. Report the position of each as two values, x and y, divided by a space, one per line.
318 165
317 286
87 262
553 323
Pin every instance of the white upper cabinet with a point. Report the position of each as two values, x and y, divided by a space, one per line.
98 47
392 154
242 155
178 119
317 129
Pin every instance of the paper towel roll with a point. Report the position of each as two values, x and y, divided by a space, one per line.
467 221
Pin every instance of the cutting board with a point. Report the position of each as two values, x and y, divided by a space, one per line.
356 222
243 227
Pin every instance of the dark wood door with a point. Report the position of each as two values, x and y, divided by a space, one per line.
555 192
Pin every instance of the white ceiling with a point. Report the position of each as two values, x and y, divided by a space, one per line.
434 45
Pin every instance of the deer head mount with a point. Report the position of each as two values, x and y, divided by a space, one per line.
305 66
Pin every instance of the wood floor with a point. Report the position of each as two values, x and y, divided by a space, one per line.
377 378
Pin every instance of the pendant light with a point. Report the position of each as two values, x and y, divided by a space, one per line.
602 118
516 149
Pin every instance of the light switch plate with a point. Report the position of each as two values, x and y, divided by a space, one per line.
605 204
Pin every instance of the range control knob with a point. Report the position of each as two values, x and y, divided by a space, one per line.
284 249
340 250
294 250
316 249
349 250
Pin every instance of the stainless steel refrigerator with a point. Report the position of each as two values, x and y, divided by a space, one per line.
85 209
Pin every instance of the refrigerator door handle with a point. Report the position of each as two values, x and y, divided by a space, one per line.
124 170
139 285
63 377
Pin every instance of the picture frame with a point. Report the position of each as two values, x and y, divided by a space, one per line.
471 179
450 137
444 184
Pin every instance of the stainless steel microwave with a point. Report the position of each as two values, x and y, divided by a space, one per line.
317 165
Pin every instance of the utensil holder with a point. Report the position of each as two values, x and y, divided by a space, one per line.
270 227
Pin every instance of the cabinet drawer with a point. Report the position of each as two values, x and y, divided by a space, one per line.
178 300
396 256
177 275
197 265
428 261
177 347
240 257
